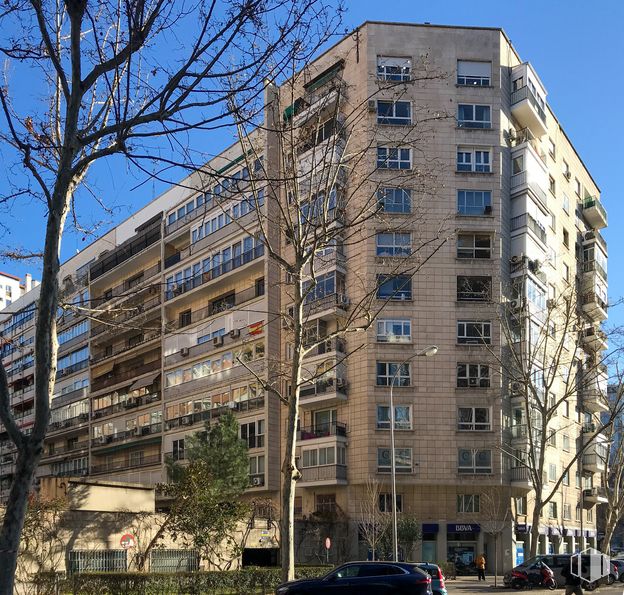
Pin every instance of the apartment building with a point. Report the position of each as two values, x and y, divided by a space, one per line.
12 287
455 128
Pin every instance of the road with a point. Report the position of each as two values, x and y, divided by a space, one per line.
470 585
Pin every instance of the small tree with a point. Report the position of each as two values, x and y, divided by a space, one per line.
206 507
373 523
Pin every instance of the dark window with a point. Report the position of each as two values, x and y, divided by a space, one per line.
474 289
184 318
260 286
398 287
135 340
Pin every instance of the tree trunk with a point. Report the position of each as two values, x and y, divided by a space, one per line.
535 528
495 558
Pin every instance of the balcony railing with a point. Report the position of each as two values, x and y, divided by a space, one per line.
526 93
116 377
521 179
322 387
60 450
324 473
334 300
127 435
124 347
217 307
329 346
126 405
188 420
68 423
526 136
214 273
525 220
129 288
595 235
126 251
593 201
129 463
592 297
72 369
591 266
182 221
519 474
323 430
127 314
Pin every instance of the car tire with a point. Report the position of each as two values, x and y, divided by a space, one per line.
591 586
610 579
517 584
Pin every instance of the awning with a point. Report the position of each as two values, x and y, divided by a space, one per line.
103 369
146 381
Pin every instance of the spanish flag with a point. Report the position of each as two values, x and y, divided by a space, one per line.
256 328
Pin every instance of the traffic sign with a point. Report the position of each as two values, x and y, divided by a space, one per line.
327 543
127 541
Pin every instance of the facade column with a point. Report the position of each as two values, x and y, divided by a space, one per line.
507 549
441 542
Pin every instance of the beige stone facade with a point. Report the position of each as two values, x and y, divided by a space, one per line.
488 162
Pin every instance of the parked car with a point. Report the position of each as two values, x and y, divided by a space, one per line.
364 578
557 563
619 564
437 578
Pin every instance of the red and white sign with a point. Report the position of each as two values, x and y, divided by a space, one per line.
127 541
327 543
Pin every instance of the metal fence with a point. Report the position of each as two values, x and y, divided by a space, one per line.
97 561
174 560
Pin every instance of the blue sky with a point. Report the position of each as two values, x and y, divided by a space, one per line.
576 48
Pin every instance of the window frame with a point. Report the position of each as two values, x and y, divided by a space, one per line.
468 504
474 288
473 425
384 72
390 118
394 158
473 165
474 468
382 424
474 210
400 468
474 252
401 206
467 339
473 80
479 380
394 248
385 377
389 324
474 123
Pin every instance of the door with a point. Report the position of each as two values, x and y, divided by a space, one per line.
376 579
340 582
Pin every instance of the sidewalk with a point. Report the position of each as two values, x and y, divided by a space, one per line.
471 584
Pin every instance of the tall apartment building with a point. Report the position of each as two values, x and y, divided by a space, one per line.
185 290
12 287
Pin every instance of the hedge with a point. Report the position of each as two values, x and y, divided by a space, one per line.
239 582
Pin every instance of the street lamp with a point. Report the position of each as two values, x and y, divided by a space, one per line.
426 352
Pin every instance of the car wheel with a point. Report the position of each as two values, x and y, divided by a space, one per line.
517 584
591 586
610 579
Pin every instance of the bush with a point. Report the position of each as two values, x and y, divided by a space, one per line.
243 582
448 569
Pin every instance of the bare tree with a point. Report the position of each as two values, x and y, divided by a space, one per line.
373 523
116 78
551 361
323 190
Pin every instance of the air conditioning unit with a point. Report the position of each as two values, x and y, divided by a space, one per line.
550 304
567 175
232 404
487 210
372 105
343 300
341 383
534 265
515 386
184 351
516 304
217 341
235 333
257 481
516 259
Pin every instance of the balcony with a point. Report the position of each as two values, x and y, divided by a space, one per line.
65 424
317 159
129 372
594 306
594 339
593 272
54 451
336 428
520 478
149 236
130 288
330 346
127 435
327 307
214 273
526 221
327 391
324 475
594 236
597 495
527 111
69 370
594 213
124 347
127 314
593 463
126 405
129 463
186 421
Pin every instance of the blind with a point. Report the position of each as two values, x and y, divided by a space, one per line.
390 61
468 68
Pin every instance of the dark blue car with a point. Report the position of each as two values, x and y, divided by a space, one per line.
364 578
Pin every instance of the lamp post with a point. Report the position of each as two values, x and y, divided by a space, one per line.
427 352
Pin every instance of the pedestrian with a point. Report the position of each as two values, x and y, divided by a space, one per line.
573 582
480 563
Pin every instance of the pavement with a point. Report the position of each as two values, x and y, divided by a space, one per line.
467 585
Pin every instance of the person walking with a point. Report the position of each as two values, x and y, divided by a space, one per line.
480 563
573 583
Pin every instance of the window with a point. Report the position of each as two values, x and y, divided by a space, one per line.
566 478
473 160
395 200
398 287
474 202
394 158
316 457
521 505
474 461
394 244
590 515
566 238
552 472
402 417
473 376
474 289
577 187
473 419
394 331
394 112
552 510
474 332
394 69
474 116
517 164
178 450
567 512
477 74
566 413
253 433
467 502
402 460
385 502
578 512
256 470
474 245
551 184
552 150
73 332
566 272
393 373
566 169
566 442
